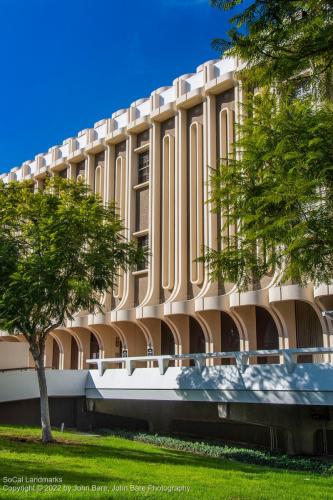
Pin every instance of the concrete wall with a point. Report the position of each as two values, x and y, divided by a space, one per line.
14 355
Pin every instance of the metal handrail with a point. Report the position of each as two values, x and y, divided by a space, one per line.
241 358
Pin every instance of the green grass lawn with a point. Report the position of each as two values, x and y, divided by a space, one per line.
129 469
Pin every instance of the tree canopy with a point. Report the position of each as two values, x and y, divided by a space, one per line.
277 185
61 249
279 40
279 189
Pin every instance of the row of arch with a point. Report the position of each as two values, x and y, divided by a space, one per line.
68 348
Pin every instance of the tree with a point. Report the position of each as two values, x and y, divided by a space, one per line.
280 190
60 251
281 40
277 185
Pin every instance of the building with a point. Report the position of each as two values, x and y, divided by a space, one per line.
153 159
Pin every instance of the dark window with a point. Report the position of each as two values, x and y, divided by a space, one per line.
55 355
267 335
143 167
74 355
143 242
94 347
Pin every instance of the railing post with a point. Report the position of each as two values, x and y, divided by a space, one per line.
200 362
129 366
100 368
242 361
288 360
163 365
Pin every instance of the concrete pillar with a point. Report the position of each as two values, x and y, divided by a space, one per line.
72 171
90 171
181 207
48 351
247 315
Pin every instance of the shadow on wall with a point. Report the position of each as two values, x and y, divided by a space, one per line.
274 378
70 411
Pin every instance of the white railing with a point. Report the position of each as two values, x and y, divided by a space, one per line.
287 358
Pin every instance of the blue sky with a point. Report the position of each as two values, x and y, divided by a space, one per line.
69 63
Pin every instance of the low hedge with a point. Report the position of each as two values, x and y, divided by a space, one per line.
247 455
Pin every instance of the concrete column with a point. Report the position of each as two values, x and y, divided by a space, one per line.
211 218
213 321
90 171
109 173
154 327
72 171
48 351
129 220
154 276
286 311
181 323
181 212
247 316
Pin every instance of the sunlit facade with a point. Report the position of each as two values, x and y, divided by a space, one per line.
153 159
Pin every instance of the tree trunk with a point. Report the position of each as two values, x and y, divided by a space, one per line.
44 400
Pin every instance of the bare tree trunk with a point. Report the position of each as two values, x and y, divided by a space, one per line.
44 400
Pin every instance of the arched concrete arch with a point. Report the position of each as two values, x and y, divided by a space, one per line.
230 336
10 338
175 329
156 327
246 315
205 329
136 338
61 351
180 324
325 303
74 337
241 325
286 311
107 336
267 334
318 312
83 336
120 334
309 329
65 337
146 331
284 338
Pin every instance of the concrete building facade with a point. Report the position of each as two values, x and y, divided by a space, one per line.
154 159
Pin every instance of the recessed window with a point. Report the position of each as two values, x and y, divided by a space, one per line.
143 167
143 242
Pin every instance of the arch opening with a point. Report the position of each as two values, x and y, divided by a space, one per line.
230 339
309 332
267 336
167 339
94 347
74 354
197 338
55 355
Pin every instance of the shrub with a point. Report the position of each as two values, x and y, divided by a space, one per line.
247 455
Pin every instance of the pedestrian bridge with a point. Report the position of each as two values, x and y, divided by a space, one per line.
281 379
205 377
